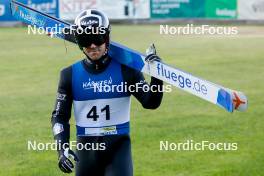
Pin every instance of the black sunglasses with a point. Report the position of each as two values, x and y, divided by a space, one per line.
89 39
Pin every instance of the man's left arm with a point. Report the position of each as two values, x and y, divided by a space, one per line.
149 95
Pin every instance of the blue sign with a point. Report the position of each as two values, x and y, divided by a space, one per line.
5 12
46 6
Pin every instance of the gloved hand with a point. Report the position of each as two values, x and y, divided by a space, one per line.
65 163
151 54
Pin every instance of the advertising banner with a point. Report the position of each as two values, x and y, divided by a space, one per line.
69 9
141 9
177 8
125 9
46 6
253 9
5 13
119 9
221 9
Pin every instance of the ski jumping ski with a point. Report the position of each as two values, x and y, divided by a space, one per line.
227 99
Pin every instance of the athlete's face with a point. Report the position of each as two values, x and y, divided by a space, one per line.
95 52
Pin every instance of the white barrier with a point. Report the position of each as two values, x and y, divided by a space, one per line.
120 9
251 9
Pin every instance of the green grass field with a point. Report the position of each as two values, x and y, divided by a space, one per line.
29 71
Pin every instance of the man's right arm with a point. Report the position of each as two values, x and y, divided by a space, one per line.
62 110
